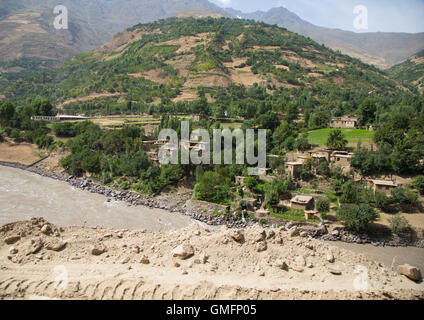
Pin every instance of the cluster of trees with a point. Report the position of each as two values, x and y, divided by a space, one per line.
17 124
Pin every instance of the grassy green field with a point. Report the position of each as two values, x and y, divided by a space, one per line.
353 136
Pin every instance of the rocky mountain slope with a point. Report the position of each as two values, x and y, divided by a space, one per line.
27 32
171 59
381 49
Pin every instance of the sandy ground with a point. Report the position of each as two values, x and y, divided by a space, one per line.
50 262
23 153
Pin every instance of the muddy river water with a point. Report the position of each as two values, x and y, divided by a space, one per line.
24 195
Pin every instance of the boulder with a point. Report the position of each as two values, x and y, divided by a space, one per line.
144 260
260 236
261 246
12 239
334 271
183 251
46 229
237 235
294 232
330 258
281 264
98 249
13 250
410 272
35 246
56 245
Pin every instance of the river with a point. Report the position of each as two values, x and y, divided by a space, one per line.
24 195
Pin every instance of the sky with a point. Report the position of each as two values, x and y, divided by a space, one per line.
383 15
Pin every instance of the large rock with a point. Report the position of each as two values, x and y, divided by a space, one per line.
260 236
281 264
183 251
56 245
294 232
98 249
12 239
237 235
35 246
409 271
261 246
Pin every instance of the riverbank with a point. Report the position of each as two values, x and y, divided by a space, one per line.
206 212
190 263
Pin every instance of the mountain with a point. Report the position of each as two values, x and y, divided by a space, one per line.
410 72
174 60
26 26
381 49
28 39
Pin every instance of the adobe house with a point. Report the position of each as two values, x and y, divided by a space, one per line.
383 186
292 167
302 202
341 158
344 122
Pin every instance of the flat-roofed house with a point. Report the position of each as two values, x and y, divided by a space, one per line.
384 186
292 167
344 122
341 158
302 202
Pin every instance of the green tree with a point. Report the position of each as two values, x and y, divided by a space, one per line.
336 140
357 217
213 188
418 184
322 205
7 112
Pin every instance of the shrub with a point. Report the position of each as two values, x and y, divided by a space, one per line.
357 217
15 134
250 182
419 184
399 224
322 205
382 201
404 196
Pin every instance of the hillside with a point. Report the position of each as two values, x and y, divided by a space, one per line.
26 27
381 49
29 41
410 72
167 61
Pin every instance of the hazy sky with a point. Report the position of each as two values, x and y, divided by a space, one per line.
383 15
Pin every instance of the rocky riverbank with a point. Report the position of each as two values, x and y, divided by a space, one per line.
206 213
39 259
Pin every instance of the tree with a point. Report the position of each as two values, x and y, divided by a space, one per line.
350 193
357 217
7 112
336 140
419 184
399 224
213 188
43 108
322 205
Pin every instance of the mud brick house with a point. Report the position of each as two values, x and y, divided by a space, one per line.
383 186
303 202
344 123
292 168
